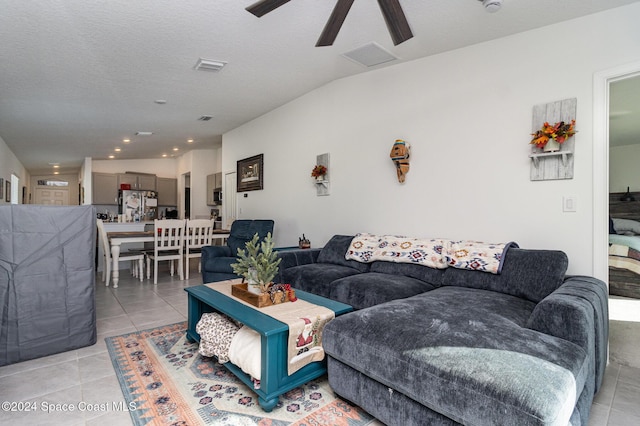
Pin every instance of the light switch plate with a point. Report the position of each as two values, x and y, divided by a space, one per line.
569 203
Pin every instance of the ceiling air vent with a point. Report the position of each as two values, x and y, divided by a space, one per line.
370 55
144 133
209 65
205 118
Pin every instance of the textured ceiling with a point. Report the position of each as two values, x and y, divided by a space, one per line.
77 77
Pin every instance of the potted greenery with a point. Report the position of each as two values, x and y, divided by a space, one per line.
258 264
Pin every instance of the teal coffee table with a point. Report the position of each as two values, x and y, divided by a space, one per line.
274 380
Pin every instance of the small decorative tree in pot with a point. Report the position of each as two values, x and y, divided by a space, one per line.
258 264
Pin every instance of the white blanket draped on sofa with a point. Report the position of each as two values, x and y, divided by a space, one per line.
436 253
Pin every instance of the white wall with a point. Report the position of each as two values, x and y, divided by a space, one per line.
467 115
623 168
198 164
161 167
84 177
9 164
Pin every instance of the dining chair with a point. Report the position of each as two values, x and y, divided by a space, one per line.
168 244
133 256
199 233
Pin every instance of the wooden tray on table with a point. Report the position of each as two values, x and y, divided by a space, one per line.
242 292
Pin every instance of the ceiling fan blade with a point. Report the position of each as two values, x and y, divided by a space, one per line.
331 29
263 7
396 21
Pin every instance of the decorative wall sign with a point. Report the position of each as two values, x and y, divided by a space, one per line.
322 184
555 164
250 173
400 153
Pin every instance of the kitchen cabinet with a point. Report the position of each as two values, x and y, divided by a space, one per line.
214 189
138 181
104 188
167 191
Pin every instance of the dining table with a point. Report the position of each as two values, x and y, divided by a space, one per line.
117 238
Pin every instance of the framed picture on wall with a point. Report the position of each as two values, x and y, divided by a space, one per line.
7 191
250 173
1 188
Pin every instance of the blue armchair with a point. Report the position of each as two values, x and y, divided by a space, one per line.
217 260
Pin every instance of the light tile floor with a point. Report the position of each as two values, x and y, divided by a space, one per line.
58 383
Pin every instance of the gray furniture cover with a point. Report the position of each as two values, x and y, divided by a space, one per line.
47 280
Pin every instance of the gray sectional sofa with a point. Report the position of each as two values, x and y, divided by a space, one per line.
527 346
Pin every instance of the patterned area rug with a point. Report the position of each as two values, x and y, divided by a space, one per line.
168 382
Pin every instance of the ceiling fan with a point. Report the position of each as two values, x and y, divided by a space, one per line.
391 10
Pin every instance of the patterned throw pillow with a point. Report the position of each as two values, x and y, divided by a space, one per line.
216 333
367 248
476 256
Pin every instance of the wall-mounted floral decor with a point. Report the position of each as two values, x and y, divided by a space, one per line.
321 174
319 171
550 137
552 145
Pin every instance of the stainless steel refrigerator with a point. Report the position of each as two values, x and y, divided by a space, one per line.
138 206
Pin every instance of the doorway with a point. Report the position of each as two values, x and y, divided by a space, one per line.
601 92
624 313
52 196
186 198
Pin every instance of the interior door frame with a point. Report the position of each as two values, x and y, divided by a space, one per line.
601 84
229 199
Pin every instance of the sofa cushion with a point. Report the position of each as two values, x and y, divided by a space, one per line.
316 278
243 231
529 274
464 353
221 264
335 250
422 273
372 288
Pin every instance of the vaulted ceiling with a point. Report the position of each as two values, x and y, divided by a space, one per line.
78 77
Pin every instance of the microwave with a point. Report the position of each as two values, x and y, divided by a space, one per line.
217 196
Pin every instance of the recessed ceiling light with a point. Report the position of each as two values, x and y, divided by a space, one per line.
175 149
56 173
117 150
164 155
56 166
126 140
112 156
190 140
